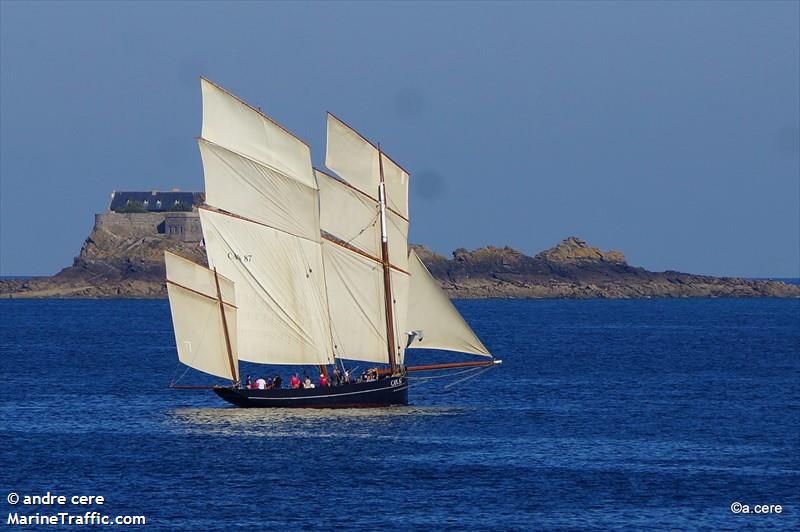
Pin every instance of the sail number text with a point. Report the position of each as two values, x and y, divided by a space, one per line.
240 258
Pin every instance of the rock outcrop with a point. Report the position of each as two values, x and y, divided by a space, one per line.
123 257
575 250
574 269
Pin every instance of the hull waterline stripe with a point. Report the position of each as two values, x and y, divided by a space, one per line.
397 389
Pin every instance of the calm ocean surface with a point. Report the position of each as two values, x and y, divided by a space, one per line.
605 414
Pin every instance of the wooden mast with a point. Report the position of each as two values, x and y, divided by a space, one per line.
387 271
234 369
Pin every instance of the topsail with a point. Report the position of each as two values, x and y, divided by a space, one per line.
358 161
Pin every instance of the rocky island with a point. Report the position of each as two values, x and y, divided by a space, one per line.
123 257
573 269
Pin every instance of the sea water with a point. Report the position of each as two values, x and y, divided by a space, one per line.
604 414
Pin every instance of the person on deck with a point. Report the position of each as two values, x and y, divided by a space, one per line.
294 381
307 383
247 383
276 382
261 384
347 377
337 377
323 380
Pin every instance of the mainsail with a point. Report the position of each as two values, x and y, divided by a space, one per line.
197 319
261 229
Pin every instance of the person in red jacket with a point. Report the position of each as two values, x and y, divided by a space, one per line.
323 380
295 381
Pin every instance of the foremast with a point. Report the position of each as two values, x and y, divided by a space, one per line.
387 270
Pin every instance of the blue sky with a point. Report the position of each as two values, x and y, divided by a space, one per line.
669 131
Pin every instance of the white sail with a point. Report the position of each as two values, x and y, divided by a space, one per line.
349 215
401 284
357 305
249 189
353 217
304 296
350 211
280 289
430 311
355 297
356 160
233 124
397 233
196 317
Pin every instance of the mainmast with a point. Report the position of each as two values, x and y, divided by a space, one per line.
387 272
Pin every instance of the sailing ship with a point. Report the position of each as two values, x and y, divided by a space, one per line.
306 267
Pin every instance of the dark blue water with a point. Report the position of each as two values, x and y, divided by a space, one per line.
605 414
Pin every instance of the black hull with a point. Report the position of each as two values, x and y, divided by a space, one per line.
385 392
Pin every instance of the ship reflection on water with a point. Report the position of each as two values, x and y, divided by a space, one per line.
344 422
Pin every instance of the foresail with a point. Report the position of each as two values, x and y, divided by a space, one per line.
196 317
350 212
432 312
355 298
401 283
280 289
357 305
356 160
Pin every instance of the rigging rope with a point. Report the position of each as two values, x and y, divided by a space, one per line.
176 381
448 375
370 224
465 379
474 373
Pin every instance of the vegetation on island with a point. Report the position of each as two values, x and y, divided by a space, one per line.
131 207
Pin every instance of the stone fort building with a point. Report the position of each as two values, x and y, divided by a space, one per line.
172 214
